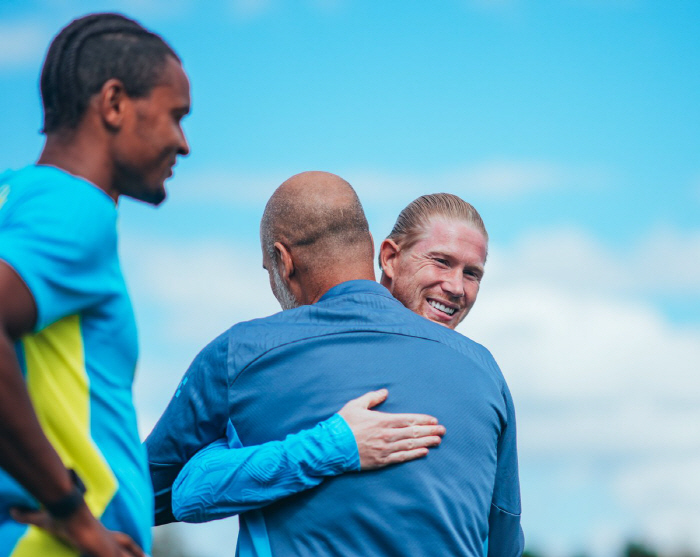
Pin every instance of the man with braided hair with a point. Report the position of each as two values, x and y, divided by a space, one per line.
113 95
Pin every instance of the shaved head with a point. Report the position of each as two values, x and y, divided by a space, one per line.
319 219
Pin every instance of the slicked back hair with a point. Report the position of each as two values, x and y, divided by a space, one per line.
88 52
417 215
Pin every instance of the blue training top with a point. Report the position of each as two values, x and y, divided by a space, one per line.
268 378
58 232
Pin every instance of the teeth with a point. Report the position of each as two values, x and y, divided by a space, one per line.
441 307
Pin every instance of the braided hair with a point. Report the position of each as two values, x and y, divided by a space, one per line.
88 52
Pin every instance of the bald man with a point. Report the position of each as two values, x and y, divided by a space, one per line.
283 374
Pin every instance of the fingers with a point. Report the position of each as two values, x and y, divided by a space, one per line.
371 399
405 456
415 432
393 445
128 546
406 449
405 420
411 444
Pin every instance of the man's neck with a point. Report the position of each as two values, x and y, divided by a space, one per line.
314 290
79 155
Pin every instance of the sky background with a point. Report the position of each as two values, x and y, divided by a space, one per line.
574 128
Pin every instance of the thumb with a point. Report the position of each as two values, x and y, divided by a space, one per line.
372 399
30 516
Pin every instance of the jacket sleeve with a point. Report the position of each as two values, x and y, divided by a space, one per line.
226 478
505 533
196 416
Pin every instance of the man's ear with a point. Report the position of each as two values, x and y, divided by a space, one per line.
113 103
284 261
388 254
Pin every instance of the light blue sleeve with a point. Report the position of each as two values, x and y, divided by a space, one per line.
226 478
60 237
505 533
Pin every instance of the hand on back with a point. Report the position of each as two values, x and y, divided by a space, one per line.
383 438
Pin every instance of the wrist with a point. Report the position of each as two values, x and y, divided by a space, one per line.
69 504
340 434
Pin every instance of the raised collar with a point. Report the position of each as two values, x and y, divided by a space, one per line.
357 287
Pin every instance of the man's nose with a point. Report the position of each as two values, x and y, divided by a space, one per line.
184 149
453 283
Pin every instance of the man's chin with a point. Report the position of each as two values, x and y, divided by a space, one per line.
153 197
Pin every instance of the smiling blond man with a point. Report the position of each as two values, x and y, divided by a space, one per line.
433 259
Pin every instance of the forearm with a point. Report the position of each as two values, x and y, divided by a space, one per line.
25 452
223 481
505 534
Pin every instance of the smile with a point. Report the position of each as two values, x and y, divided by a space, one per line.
441 307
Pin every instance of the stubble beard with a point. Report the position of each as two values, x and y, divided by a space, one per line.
284 296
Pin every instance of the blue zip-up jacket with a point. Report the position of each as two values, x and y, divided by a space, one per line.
266 379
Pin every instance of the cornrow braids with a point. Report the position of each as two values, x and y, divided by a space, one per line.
88 52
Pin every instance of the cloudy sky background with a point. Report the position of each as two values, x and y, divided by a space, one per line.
572 125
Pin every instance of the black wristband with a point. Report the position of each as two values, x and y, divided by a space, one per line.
66 506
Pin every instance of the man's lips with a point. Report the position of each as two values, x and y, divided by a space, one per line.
448 310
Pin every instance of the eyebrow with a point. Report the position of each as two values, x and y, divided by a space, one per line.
446 255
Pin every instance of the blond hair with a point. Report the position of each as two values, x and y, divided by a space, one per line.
417 215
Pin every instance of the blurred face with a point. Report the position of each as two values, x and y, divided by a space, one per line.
439 276
151 138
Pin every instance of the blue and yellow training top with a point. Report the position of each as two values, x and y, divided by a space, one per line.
58 232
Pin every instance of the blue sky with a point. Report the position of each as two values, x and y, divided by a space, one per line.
572 126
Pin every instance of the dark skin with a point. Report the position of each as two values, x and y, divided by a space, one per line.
124 146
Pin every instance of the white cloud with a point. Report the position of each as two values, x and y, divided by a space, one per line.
600 376
22 44
200 288
507 178
497 179
228 187
667 492
664 261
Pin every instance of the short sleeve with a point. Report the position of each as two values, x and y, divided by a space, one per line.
61 240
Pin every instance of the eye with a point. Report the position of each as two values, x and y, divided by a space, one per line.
442 261
472 274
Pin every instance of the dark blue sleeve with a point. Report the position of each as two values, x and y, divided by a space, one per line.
196 416
505 533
